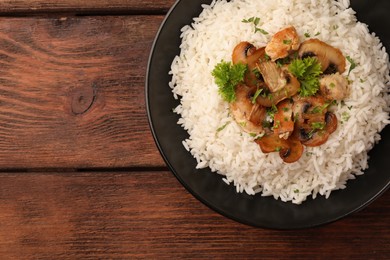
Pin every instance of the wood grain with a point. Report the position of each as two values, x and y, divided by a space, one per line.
12 7
149 215
72 92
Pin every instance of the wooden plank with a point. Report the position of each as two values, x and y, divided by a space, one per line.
72 92
150 215
12 7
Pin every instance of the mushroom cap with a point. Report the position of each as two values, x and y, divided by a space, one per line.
331 58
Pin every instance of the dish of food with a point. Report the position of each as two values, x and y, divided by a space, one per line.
220 150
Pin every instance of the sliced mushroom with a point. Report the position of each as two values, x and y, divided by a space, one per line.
249 115
294 150
331 58
242 51
246 53
282 43
290 150
320 137
334 87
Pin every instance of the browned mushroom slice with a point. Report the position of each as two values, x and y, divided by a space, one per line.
290 150
294 150
331 58
246 53
282 43
249 115
334 87
242 51
320 137
272 143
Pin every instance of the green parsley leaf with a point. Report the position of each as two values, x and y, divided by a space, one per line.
257 93
255 21
353 64
261 30
318 125
345 116
271 111
318 33
307 35
287 42
222 127
307 71
227 76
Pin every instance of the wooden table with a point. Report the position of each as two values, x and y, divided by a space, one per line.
81 177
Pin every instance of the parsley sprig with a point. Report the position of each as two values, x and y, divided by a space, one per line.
307 71
227 76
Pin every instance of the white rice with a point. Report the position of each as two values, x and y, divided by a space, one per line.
233 153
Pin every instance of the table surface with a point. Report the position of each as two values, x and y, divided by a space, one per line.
80 174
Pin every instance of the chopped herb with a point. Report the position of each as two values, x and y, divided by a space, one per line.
309 153
362 80
307 35
271 111
335 27
287 42
318 125
285 119
285 109
243 124
296 191
277 149
266 57
307 71
353 64
222 127
257 93
277 124
318 33
255 21
227 76
350 107
296 116
332 85
256 72
261 30
257 136
345 116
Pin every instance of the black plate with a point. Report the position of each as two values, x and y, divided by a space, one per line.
208 187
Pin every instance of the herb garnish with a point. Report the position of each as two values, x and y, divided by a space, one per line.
287 42
257 93
307 71
222 127
353 64
255 21
271 111
307 35
227 76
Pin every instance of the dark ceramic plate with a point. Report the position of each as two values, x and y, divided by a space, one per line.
208 187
